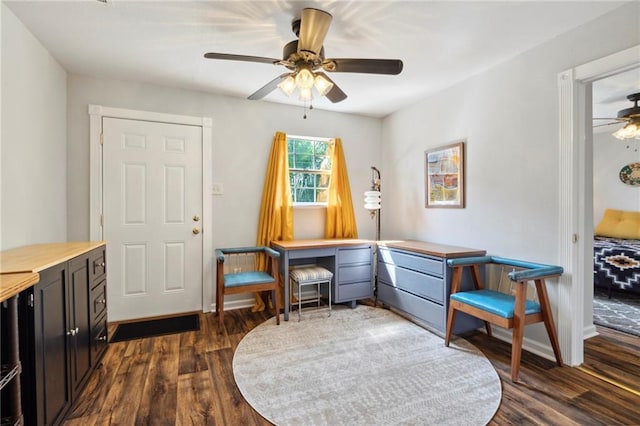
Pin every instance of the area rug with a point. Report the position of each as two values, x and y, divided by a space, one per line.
621 312
157 327
363 366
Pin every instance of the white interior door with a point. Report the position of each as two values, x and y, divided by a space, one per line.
152 207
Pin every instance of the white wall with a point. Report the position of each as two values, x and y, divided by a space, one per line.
34 110
609 156
243 134
509 116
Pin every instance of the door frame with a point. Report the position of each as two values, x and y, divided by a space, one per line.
96 113
575 229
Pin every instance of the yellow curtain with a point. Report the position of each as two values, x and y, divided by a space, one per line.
276 209
341 220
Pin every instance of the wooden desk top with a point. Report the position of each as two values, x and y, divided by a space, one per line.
317 243
433 249
37 257
12 284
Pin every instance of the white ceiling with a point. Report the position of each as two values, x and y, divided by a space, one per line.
163 42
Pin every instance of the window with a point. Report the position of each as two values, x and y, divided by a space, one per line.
309 169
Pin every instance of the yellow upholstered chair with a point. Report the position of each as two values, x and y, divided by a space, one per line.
242 281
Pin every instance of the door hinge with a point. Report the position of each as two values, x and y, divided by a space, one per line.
574 238
102 220
101 138
30 300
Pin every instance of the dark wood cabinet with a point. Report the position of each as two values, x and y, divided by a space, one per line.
58 342
79 327
46 394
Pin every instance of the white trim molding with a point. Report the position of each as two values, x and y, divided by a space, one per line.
575 245
96 114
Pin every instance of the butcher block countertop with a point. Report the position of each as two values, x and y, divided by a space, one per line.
38 257
433 249
19 266
12 284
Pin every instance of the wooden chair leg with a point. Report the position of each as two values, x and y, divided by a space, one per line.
487 326
276 304
518 330
450 319
543 298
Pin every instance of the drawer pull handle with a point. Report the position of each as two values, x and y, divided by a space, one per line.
101 301
101 338
101 264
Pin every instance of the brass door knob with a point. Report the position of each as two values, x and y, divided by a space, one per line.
196 231
196 218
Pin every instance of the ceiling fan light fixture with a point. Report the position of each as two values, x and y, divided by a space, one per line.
322 85
288 85
305 94
630 131
304 79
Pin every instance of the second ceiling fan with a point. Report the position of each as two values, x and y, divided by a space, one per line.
305 60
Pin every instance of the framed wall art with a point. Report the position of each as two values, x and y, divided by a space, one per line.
444 176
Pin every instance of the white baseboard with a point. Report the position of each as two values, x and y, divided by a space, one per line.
589 332
248 302
541 349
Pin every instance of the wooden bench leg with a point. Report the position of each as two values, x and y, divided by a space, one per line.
543 298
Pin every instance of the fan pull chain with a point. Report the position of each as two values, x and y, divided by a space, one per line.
305 109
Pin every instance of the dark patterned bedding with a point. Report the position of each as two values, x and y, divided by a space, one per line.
616 263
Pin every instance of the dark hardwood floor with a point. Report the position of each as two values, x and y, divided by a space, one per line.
187 379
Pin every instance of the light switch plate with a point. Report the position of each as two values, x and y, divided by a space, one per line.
217 188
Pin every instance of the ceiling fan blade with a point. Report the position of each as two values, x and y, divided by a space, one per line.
268 88
366 66
336 94
314 25
606 124
244 58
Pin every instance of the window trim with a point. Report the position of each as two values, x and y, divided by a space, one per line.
299 205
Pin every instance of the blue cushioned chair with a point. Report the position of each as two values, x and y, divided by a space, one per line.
501 309
247 281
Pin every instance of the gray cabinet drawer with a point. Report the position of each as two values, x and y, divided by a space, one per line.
359 255
427 311
354 273
417 263
420 284
353 291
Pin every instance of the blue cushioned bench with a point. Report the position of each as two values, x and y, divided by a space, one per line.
501 309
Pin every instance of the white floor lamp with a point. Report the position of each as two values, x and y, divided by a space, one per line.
372 202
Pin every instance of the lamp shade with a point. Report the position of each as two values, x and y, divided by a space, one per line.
372 200
288 85
630 131
323 86
305 94
304 79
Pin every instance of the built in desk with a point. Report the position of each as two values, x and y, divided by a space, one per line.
350 260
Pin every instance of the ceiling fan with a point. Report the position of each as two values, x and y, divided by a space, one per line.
630 116
305 60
